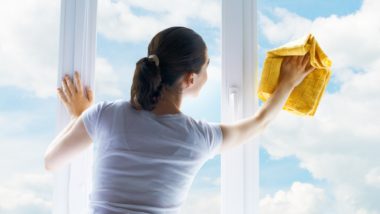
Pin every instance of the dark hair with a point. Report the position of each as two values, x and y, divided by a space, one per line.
180 50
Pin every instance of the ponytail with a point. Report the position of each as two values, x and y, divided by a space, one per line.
147 84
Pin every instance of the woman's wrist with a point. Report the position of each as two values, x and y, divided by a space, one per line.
275 102
285 86
74 117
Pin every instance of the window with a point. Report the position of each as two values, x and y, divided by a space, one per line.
112 61
325 164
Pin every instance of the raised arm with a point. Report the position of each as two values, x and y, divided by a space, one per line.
293 70
73 138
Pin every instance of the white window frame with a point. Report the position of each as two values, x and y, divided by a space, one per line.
77 51
239 167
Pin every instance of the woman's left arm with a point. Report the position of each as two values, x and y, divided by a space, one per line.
74 137
66 145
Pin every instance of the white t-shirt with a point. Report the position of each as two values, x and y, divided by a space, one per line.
145 163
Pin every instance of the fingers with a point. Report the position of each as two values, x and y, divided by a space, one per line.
306 59
66 88
78 84
289 59
70 84
310 69
69 87
90 94
72 88
299 59
62 95
295 58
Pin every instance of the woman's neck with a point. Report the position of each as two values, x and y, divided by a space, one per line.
168 104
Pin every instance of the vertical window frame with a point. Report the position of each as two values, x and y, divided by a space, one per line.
77 51
240 166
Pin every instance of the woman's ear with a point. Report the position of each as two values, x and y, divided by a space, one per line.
192 78
188 79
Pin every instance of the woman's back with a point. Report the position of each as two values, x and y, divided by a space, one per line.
145 162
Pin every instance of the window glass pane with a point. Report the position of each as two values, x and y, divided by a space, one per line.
125 29
328 163
28 71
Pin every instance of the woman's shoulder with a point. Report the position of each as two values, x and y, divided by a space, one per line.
110 105
117 102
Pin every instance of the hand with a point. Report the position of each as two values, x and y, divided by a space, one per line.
73 97
294 69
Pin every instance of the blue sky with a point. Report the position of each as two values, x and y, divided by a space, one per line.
313 9
300 158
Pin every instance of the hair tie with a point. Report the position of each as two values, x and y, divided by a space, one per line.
155 59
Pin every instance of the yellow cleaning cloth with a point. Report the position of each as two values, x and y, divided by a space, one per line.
305 97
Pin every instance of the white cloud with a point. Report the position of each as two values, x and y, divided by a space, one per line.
27 193
202 202
339 144
21 149
212 180
302 198
29 45
12 123
373 177
117 21
106 79
29 49
289 27
214 71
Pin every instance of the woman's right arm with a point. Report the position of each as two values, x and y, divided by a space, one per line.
293 70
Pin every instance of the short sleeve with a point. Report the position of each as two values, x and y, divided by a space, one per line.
214 137
91 117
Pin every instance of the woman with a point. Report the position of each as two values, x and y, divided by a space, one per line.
146 151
